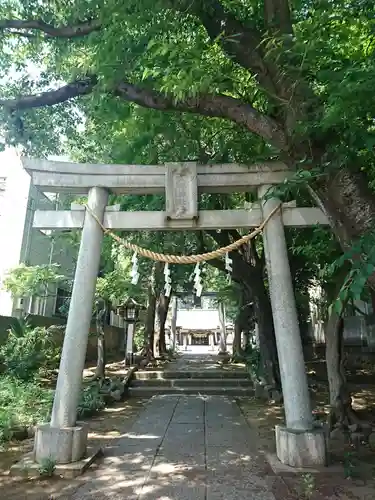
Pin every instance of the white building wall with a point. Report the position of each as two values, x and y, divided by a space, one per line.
25 244
12 219
198 319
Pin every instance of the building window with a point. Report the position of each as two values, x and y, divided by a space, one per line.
62 302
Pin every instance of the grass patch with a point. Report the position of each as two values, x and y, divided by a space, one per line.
25 403
22 404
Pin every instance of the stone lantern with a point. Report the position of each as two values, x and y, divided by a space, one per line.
129 311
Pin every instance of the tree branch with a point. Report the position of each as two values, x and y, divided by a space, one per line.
240 41
51 97
277 16
78 30
244 44
212 105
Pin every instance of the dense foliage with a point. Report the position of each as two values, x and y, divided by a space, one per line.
28 351
263 80
22 404
28 357
287 80
208 81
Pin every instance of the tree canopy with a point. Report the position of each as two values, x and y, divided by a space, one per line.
212 81
294 78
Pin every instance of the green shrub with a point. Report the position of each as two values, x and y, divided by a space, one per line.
22 404
47 467
91 401
139 337
28 350
252 360
25 403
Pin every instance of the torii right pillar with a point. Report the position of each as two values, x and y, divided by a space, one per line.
298 443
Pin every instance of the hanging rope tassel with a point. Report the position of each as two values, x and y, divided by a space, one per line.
134 272
167 280
228 266
197 280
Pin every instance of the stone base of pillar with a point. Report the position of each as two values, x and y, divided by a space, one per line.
62 445
301 448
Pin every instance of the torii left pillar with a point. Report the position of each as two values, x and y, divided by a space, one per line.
64 440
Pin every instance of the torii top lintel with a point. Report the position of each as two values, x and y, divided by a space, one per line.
78 178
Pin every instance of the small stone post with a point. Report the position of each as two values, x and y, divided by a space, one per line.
298 444
184 336
64 440
211 341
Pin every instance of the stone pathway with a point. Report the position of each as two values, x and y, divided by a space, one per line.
183 448
202 363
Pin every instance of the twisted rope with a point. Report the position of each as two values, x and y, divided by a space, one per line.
184 259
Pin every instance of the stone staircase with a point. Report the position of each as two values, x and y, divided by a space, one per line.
147 383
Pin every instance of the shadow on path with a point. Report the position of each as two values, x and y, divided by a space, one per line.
182 447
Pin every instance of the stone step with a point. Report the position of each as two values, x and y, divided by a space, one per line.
189 382
147 391
204 374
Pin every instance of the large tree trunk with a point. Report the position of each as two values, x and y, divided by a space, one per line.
238 327
150 315
267 340
341 413
248 271
101 356
252 280
348 202
156 337
174 322
162 313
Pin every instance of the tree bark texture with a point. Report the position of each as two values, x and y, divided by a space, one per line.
162 311
238 328
174 321
248 271
348 202
151 314
101 360
258 294
341 413
101 356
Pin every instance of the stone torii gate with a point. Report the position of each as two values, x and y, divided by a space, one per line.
64 439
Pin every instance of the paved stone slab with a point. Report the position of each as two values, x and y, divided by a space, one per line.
233 483
109 483
183 448
173 483
222 458
186 438
158 489
180 460
190 417
231 440
189 410
130 460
